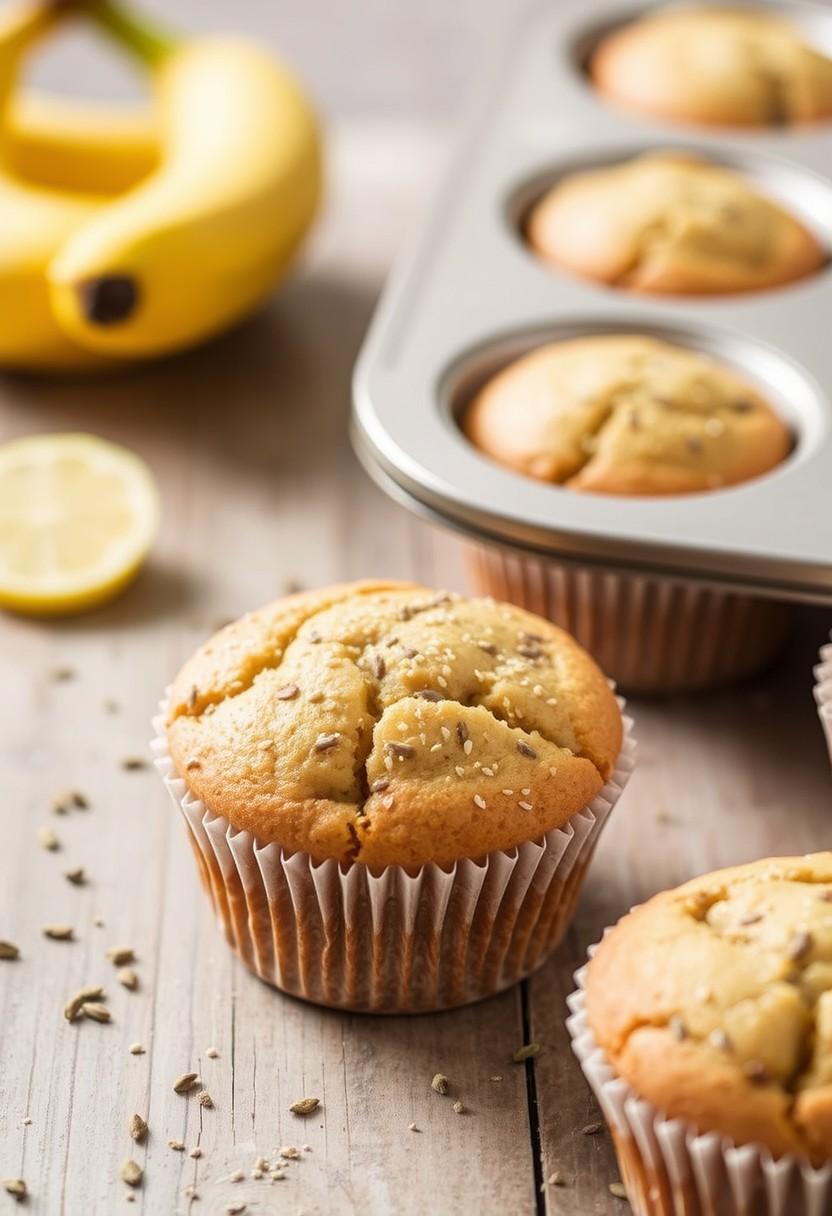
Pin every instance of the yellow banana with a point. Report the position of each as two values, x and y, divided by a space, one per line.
203 239
76 145
34 223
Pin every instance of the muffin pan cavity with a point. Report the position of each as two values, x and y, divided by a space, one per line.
801 193
470 297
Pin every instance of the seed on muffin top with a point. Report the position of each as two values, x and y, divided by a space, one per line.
714 1002
670 222
391 724
626 415
720 66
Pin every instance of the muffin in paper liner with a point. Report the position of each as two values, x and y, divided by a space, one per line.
651 635
396 940
671 1170
823 692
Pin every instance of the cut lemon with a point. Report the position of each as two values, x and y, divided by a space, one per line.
77 518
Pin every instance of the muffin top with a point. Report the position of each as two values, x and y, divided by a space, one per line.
389 724
670 222
626 415
720 66
714 1001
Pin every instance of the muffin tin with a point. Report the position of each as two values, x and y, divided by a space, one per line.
471 296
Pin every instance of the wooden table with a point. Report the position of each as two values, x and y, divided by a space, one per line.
248 439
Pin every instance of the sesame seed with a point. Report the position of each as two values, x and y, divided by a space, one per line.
446 734
429 694
402 750
720 1040
488 772
324 742
525 806
525 750
508 793
530 652
378 666
467 747
459 770
799 946
380 784
479 801
462 733
388 801
287 692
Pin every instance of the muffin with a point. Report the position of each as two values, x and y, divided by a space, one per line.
626 415
715 66
712 1005
392 792
670 223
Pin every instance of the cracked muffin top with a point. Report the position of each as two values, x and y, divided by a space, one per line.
714 1002
389 724
669 222
626 415
717 66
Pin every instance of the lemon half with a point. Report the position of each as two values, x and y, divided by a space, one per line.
77 518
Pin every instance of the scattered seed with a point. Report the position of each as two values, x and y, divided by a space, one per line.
27 1122
440 1083
212 1053
137 1128
525 750
16 1187
196 1153
136 1049
61 675
525 806
459 1108
186 1082
323 743
495 1078
287 692
234 1209
8 951
799 946
429 694
133 764
403 750
48 840
277 1175
131 1173
556 1179
128 978
177 1146
237 1176
205 1099
75 1003
462 733
96 1012
411 1127
379 785
290 1153
592 1129
121 955
527 1052
77 876
304 1106
58 933
618 1189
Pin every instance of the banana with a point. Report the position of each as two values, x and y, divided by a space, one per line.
80 146
34 223
204 238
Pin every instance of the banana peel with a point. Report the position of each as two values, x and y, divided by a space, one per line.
138 231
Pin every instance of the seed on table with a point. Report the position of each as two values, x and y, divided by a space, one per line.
61 674
136 1049
304 1106
177 1146
196 1153
459 1108
8 950
618 1189
48 840
290 1153
205 1099
186 1082
131 1173
119 955
133 764
16 1187
58 933
96 1012
212 1053
77 876
440 1083
592 1129
234 1209
76 1003
527 1052
128 978
137 1128
411 1127
556 1179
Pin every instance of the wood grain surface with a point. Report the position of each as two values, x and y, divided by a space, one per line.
260 489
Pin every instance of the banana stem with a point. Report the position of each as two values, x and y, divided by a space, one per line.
143 38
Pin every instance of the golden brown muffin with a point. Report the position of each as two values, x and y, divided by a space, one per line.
669 222
714 1002
385 723
626 415
718 66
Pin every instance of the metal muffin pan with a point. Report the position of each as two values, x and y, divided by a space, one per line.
470 296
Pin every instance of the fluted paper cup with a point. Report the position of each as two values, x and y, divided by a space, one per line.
669 1169
649 634
823 692
392 940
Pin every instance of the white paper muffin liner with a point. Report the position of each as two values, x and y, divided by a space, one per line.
392 941
823 692
649 634
671 1170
